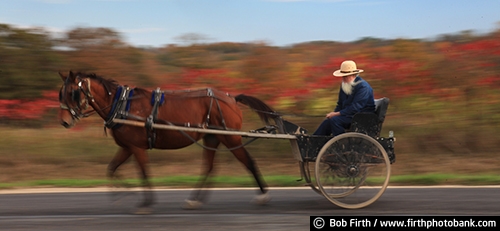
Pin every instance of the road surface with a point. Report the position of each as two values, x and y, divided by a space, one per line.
227 209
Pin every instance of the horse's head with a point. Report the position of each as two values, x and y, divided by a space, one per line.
73 98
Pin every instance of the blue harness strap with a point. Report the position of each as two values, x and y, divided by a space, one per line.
160 99
120 106
130 94
115 100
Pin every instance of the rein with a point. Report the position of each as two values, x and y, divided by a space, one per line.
282 115
215 149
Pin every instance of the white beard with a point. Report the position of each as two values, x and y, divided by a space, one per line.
348 87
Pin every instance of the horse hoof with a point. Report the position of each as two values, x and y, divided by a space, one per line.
143 211
192 204
262 199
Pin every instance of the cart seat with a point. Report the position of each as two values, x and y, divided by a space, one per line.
381 106
371 123
288 127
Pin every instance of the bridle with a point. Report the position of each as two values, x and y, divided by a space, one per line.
82 104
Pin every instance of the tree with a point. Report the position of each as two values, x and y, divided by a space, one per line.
102 51
264 66
86 38
27 64
191 38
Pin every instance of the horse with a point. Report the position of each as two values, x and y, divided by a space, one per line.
83 94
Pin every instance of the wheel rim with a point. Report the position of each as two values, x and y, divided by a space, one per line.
352 170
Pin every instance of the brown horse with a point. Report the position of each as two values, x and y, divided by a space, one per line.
205 108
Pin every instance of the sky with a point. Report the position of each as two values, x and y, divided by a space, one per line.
156 23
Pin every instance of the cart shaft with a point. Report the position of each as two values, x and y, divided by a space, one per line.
208 131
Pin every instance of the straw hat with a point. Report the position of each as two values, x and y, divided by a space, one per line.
347 67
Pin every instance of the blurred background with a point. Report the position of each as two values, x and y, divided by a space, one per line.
444 92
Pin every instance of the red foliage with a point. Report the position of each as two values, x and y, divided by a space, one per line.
390 77
490 81
214 78
295 92
28 109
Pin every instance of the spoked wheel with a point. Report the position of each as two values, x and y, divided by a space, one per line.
352 170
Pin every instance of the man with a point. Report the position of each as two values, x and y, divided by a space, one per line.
355 95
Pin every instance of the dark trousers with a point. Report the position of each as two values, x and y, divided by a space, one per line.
333 126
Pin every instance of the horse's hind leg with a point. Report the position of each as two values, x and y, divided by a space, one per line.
198 196
244 157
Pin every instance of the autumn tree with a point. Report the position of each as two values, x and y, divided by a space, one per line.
264 67
27 62
103 51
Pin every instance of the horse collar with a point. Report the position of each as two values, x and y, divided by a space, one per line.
120 106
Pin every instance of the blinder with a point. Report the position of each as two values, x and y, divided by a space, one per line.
75 95
81 104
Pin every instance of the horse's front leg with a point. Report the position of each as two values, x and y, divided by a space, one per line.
142 159
116 181
120 157
199 195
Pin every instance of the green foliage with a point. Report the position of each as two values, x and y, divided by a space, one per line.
194 56
82 38
28 63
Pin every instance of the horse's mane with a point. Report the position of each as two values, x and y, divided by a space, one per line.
108 83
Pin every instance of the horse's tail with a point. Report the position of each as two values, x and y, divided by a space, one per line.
264 111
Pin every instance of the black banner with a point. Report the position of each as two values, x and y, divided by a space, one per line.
426 222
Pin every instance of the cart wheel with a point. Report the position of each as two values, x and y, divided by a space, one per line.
352 170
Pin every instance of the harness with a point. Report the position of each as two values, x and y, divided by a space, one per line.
120 107
157 99
210 93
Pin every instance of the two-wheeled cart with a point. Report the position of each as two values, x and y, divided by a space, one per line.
351 170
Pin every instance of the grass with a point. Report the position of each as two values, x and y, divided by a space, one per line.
247 181
172 181
57 157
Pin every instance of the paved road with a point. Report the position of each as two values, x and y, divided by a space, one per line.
227 209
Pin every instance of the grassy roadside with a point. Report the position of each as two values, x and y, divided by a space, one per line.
246 181
56 157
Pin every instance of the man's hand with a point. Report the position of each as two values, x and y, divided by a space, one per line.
332 114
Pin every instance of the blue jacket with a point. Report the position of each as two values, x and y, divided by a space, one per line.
361 99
